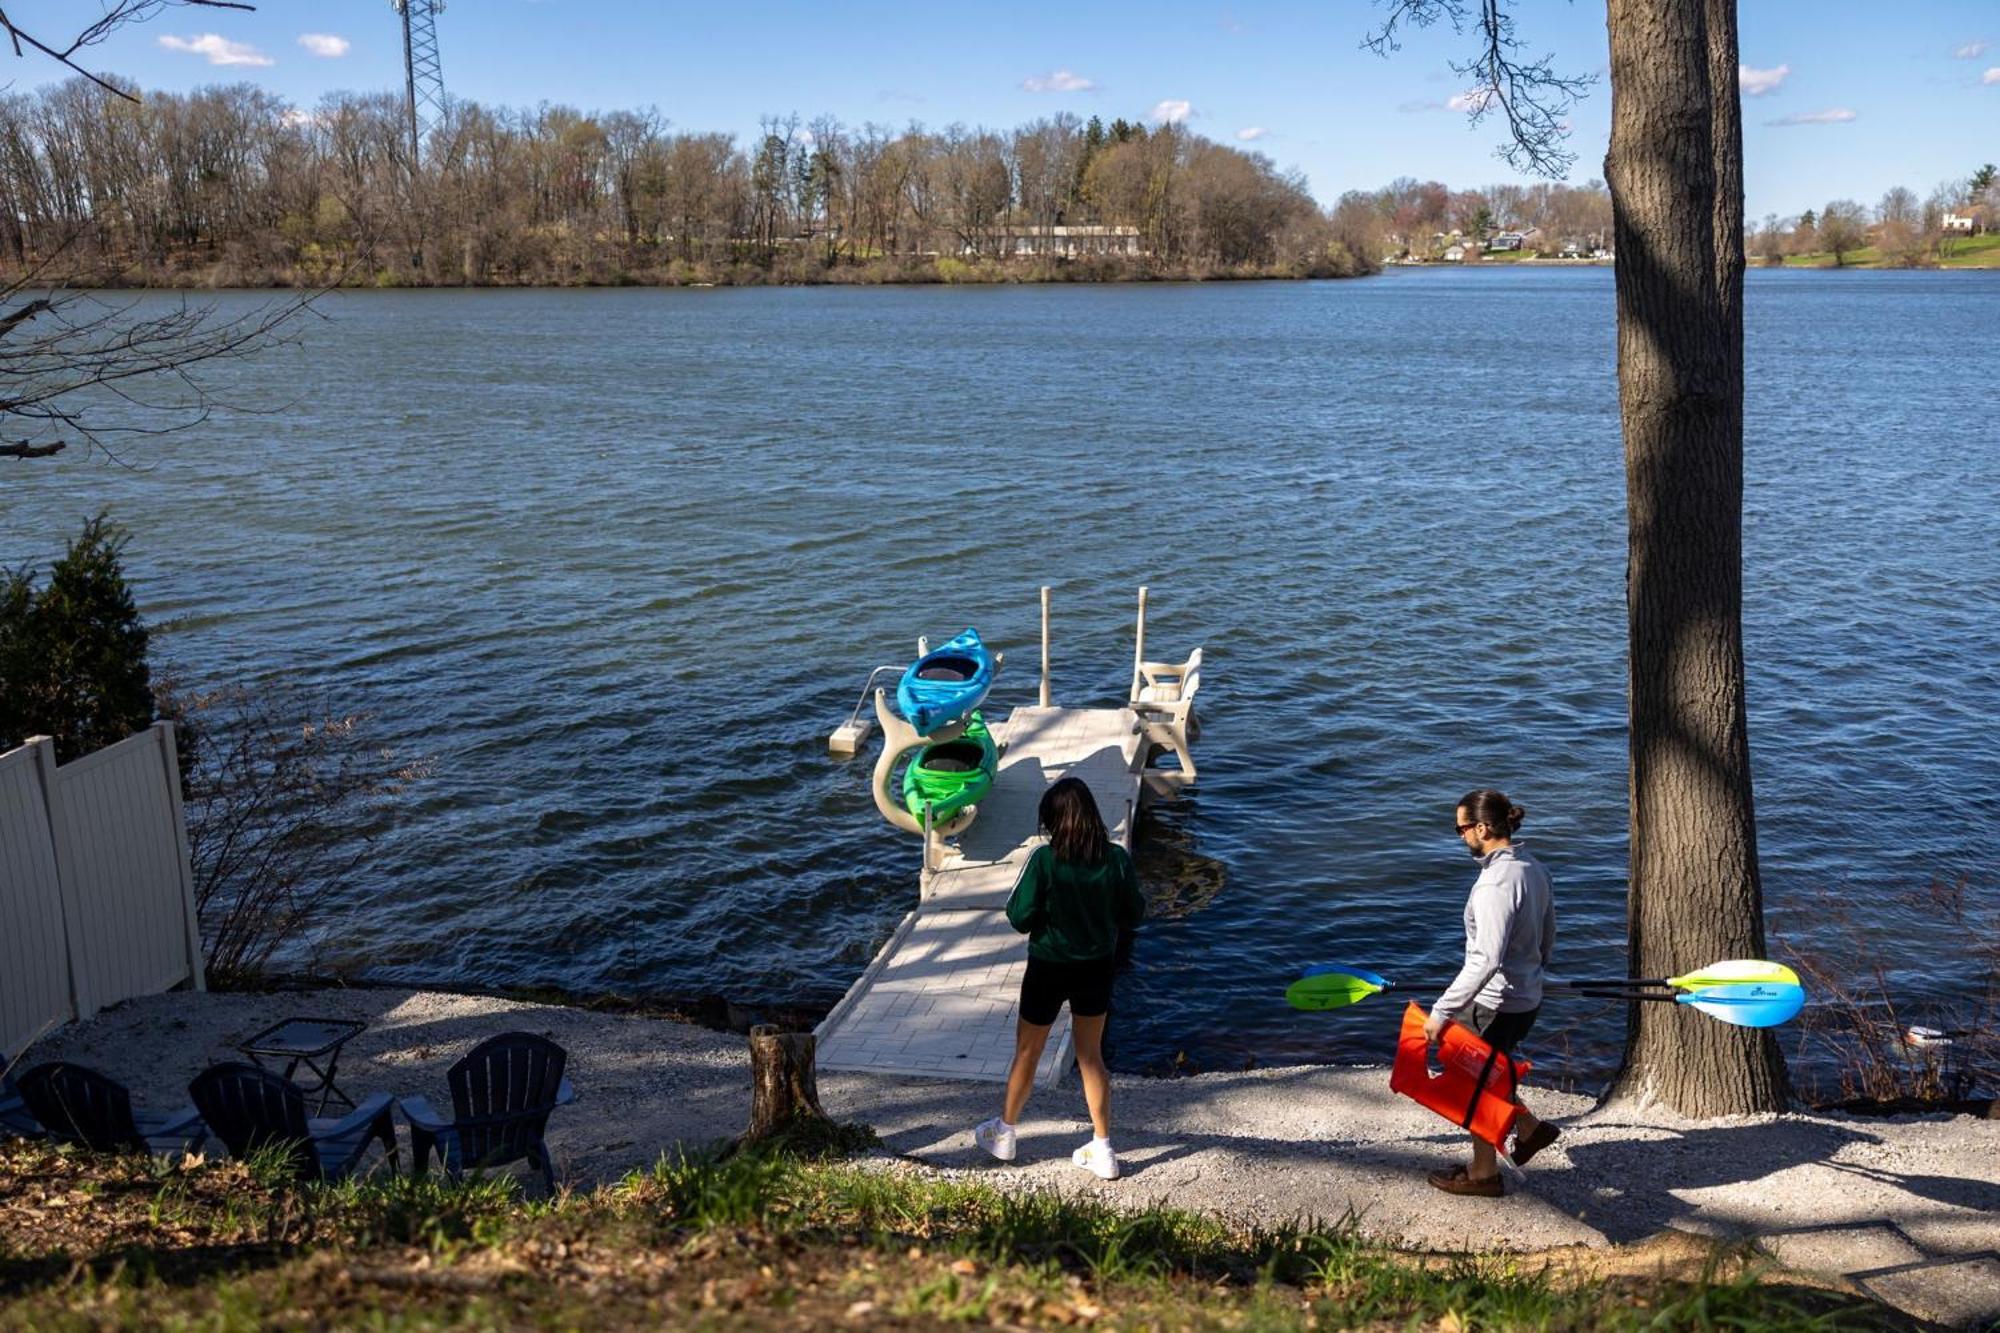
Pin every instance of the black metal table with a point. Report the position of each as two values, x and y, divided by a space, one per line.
306 1041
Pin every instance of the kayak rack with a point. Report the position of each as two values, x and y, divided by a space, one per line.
938 999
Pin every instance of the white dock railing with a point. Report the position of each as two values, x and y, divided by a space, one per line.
96 897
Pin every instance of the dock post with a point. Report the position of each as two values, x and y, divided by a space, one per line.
1045 645
1139 642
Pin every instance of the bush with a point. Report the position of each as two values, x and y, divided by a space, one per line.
279 813
73 653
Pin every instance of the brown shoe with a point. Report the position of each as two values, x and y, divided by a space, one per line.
1544 1135
1456 1181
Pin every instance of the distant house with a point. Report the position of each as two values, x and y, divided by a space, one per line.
1572 250
1961 224
1454 254
1504 240
1069 242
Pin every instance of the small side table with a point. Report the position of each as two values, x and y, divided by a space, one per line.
306 1041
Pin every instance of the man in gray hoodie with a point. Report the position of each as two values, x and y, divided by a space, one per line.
1510 934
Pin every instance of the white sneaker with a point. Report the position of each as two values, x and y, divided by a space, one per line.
1096 1157
996 1136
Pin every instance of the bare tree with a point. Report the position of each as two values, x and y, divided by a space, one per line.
1843 229
1675 168
1900 233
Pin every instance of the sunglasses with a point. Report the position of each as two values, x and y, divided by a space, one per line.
1464 828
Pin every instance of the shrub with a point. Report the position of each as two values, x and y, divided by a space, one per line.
73 653
279 813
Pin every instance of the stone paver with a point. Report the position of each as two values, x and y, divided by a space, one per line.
1962 1293
1844 1250
939 1000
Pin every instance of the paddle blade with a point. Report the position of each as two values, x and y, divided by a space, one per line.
1734 971
1333 988
1748 1004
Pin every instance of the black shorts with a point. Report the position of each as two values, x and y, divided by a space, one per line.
1086 986
1502 1031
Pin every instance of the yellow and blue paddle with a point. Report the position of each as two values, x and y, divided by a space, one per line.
1743 992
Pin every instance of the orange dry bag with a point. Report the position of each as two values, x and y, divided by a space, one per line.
1476 1089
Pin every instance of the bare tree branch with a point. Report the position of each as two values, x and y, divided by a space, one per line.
115 16
72 362
1528 92
23 449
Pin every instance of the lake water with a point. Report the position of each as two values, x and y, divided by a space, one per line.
619 561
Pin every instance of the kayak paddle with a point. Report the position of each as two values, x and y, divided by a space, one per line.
1715 974
1744 1003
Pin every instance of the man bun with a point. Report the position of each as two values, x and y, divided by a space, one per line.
1493 809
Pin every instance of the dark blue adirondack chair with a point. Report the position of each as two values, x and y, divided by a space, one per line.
15 1119
501 1096
250 1109
80 1106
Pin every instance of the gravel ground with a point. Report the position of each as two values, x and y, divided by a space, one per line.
1907 1208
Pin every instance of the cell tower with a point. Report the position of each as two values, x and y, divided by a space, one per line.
422 77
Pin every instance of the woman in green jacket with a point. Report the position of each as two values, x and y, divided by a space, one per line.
1074 897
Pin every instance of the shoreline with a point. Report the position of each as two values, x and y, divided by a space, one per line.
981 274
721 1015
1826 1193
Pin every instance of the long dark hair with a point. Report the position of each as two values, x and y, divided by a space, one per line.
1076 830
1493 809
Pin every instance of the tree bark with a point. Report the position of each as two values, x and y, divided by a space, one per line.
1676 176
784 1082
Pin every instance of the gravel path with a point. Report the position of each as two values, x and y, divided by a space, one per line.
1908 1209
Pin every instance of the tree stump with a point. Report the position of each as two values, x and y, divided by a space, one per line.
784 1082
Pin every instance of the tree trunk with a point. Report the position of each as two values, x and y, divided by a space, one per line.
1675 171
784 1082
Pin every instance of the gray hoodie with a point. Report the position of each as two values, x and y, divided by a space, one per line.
1510 934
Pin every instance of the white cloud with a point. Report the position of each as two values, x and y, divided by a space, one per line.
1970 51
324 44
219 50
1757 82
1058 81
1170 112
1476 100
1251 133
1831 116
1991 76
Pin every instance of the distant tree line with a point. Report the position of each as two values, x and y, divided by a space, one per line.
1421 219
1903 230
234 186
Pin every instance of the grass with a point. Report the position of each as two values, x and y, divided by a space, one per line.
1974 252
780 1241
1970 252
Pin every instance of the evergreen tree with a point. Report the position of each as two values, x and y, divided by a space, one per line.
73 653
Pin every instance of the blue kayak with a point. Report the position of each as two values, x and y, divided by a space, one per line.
945 684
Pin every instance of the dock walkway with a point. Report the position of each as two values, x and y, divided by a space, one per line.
939 999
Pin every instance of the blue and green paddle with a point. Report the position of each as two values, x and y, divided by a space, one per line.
1744 992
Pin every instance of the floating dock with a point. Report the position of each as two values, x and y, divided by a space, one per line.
939 999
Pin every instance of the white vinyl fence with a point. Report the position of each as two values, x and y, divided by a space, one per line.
96 901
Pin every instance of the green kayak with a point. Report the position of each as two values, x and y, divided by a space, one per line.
951 775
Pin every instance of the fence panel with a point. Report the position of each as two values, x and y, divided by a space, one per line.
120 846
34 961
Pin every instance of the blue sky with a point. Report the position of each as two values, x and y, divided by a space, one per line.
1858 97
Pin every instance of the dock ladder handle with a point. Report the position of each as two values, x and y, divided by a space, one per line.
867 688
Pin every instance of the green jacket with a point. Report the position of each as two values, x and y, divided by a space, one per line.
1072 913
